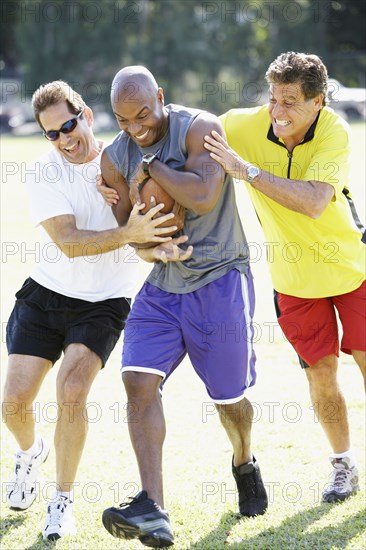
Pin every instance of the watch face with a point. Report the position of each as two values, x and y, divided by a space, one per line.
253 172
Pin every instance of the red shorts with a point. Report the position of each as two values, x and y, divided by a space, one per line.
311 325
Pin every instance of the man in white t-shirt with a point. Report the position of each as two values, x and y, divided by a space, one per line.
75 301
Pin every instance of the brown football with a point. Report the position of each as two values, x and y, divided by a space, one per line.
152 189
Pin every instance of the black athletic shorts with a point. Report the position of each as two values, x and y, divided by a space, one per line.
43 323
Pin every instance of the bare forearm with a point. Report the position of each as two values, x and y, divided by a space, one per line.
306 197
140 228
90 243
185 187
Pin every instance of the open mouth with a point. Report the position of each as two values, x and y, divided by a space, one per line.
282 122
141 136
72 148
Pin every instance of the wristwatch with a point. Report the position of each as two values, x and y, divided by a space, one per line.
252 172
146 161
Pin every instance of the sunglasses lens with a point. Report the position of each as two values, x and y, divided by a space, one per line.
69 126
66 128
52 135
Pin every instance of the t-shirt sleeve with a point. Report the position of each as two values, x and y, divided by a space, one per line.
46 198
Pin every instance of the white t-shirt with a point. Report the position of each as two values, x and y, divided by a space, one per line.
56 187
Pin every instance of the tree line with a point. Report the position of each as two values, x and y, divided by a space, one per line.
208 54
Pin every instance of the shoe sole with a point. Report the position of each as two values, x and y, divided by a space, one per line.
120 528
337 497
56 536
16 508
155 542
248 514
52 537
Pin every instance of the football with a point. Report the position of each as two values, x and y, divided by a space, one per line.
152 189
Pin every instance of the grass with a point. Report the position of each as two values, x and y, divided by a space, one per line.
199 489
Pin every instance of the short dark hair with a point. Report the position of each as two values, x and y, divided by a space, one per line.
307 69
54 93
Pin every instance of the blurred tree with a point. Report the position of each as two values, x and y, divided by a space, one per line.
9 55
80 42
209 54
346 32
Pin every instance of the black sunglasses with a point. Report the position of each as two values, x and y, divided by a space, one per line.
66 128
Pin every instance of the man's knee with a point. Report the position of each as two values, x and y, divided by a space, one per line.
17 403
77 372
360 358
16 395
72 390
11 408
141 385
323 374
241 411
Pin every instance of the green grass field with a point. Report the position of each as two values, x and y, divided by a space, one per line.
199 489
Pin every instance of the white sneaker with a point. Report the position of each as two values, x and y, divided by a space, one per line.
344 481
23 485
59 520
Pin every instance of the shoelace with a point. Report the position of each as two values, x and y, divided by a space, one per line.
132 501
339 477
22 467
56 509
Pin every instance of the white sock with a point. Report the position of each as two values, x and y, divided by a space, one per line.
349 454
34 448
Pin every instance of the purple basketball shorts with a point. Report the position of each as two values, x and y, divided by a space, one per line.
212 324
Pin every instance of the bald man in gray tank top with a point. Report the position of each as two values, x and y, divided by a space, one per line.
202 306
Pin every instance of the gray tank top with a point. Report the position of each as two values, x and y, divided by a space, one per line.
218 239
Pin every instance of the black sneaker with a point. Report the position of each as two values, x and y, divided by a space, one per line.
253 500
141 518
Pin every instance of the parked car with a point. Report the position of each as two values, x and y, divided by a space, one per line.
348 102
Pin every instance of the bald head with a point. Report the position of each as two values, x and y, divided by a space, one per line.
138 105
131 83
